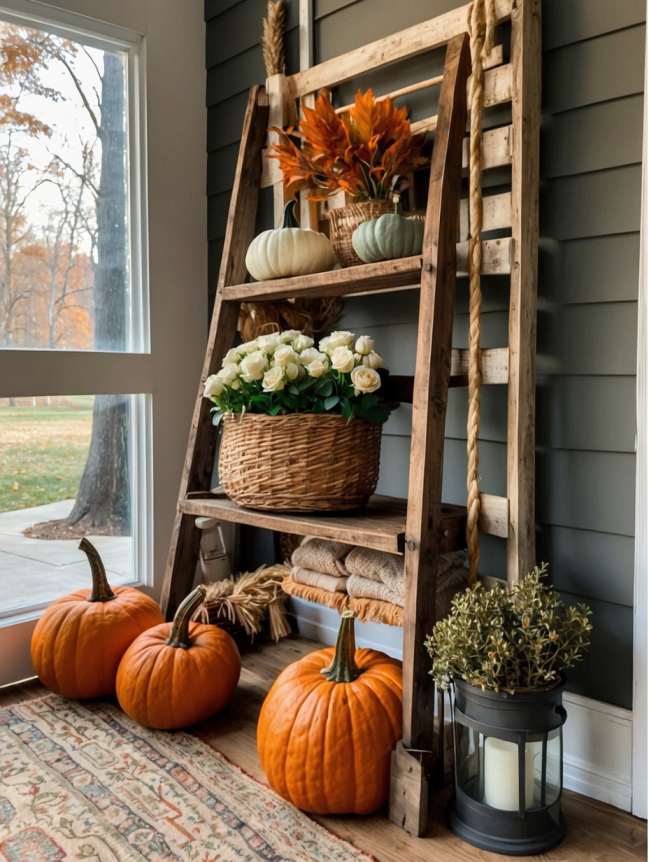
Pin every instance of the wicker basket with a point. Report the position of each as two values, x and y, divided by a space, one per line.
303 462
344 221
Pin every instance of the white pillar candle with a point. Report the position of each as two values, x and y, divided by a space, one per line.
501 774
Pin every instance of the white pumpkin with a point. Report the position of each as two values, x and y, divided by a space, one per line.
288 250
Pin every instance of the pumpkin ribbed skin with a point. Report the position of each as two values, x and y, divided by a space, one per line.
77 644
324 745
166 686
388 236
289 250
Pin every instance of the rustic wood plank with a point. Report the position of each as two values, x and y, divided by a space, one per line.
494 515
381 525
496 214
414 40
496 153
201 446
495 370
368 277
526 113
498 84
433 365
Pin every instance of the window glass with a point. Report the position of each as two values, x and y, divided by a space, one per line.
65 271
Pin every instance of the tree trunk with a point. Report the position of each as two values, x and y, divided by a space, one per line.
103 501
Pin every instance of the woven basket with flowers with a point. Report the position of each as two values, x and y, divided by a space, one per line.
301 425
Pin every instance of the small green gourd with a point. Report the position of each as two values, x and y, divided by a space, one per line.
388 236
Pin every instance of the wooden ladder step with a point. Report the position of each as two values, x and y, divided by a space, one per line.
495 370
381 525
366 278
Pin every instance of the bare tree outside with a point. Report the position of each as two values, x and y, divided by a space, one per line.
64 280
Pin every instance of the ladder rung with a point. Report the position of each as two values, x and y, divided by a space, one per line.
495 370
494 515
366 278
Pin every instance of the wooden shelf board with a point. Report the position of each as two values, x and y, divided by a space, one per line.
366 278
381 525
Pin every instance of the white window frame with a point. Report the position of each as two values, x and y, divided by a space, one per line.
169 328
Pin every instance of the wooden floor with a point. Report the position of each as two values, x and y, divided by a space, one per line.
596 832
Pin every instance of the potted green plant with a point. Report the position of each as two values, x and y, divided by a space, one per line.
301 425
505 655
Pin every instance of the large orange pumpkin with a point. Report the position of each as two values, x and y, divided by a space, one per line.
176 674
328 726
79 640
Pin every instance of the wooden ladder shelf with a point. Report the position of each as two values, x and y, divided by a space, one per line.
420 527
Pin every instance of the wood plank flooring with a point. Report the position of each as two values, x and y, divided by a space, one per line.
596 832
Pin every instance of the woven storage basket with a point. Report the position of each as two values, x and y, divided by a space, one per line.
303 462
345 220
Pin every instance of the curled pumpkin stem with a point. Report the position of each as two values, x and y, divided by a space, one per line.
101 591
179 635
344 668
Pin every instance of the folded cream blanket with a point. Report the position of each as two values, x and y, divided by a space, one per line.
367 588
321 555
330 583
377 566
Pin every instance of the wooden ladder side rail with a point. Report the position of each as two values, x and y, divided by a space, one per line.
201 448
418 753
526 113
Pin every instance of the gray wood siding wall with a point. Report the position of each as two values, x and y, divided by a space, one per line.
590 209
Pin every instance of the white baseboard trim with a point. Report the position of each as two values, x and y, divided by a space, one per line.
597 736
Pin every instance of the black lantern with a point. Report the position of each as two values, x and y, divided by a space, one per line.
508 769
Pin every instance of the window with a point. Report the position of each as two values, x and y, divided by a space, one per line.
70 256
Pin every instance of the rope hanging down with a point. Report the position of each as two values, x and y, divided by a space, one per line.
482 20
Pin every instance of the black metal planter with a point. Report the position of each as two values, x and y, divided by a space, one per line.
508 769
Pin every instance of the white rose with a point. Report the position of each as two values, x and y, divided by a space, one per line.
268 343
288 335
248 346
292 371
236 384
285 355
373 360
365 380
364 344
273 379
310 355
232 357
342 359
340 338
253 366
229 373
316 368
302 342
213 386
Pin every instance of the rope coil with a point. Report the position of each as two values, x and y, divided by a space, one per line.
481 26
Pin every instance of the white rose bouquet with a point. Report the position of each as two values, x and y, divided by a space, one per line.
285 373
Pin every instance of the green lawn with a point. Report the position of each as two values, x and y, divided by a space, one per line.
42 452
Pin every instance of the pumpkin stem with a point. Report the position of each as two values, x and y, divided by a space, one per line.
101 591
289 214
179 636
344 668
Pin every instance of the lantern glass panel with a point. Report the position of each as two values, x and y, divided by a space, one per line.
553 769
470 759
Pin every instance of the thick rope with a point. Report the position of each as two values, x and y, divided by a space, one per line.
482 21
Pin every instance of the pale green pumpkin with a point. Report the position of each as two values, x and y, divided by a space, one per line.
388 236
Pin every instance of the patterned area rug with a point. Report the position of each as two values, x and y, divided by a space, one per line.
84 782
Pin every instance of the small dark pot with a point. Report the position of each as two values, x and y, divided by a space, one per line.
508 769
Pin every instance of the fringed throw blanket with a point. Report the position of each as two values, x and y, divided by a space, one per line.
319 579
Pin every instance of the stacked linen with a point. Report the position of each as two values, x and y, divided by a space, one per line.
319 563
375 575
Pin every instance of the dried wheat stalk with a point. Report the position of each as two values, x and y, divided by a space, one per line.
272 39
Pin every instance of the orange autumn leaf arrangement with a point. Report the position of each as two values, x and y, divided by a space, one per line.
365 152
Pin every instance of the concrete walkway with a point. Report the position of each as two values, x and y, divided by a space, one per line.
33 572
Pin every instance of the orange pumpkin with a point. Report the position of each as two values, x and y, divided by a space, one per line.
328 726
176 674
79 640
